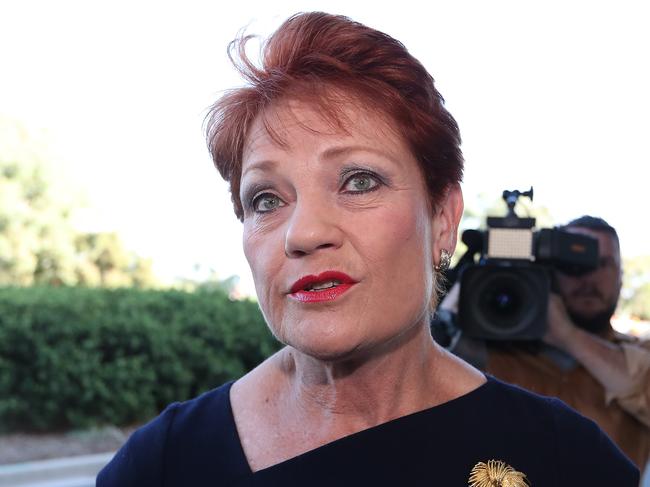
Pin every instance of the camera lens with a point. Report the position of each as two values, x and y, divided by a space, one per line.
502 302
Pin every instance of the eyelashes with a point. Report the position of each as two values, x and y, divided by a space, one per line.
360 181
263 198
266 202
254 192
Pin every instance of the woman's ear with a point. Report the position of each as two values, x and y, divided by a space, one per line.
445 222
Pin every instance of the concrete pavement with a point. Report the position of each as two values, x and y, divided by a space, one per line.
61 472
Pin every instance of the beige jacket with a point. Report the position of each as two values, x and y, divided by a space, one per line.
624 416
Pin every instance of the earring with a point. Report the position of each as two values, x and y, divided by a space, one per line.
445 261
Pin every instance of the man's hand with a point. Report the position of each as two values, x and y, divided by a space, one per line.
560 330
603 359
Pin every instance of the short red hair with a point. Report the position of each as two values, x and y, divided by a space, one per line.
314 56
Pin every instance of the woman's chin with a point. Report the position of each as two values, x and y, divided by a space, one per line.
345 343
327 349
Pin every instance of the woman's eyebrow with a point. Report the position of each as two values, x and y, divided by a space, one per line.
263 165
334 152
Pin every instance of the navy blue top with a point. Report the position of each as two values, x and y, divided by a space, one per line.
196 444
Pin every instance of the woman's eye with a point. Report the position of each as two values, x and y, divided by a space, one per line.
360 183
266 202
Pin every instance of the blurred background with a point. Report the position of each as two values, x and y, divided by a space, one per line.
106 184
109 99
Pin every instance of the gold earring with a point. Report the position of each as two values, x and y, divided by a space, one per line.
445 261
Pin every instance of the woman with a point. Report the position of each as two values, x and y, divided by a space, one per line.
344 167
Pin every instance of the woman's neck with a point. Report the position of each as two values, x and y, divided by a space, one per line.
293 403
366 389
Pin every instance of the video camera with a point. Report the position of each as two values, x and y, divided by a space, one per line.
504 296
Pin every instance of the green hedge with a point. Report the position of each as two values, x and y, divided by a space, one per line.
79 357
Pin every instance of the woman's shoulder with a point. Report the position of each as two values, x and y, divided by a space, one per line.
576 447
524 407
186 437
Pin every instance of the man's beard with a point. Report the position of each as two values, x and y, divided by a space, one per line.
597 323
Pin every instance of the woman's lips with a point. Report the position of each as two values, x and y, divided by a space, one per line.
302 290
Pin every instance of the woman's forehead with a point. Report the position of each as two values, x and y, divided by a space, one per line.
287 123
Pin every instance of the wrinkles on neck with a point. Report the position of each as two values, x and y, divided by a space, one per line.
365 390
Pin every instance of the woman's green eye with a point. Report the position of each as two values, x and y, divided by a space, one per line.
267 202
360 183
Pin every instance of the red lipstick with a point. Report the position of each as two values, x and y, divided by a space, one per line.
326 286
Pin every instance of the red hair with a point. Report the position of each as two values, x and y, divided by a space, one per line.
316 57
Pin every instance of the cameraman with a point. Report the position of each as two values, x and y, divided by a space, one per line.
601 373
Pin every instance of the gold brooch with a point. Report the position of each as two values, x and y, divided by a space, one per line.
496 473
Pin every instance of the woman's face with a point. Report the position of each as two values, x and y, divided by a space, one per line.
338 231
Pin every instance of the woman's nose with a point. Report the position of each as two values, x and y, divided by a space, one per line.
313 226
